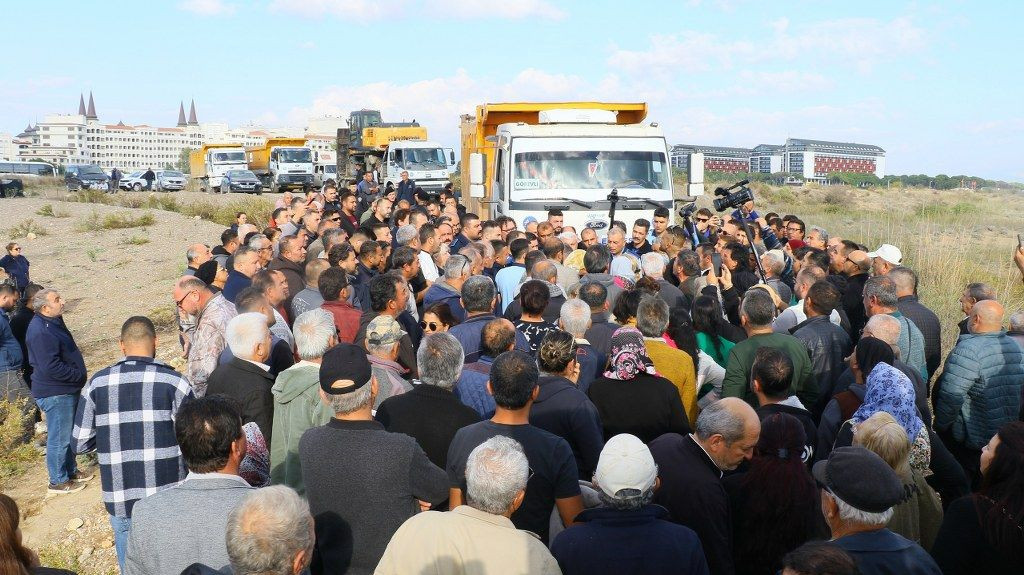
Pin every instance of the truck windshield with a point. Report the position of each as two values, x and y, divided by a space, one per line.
228 157
295 156
428 158
92 170
590 170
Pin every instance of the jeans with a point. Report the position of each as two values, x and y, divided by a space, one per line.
60 420
121 527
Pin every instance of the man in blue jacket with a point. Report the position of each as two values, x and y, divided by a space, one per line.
627 534
57 380
980 387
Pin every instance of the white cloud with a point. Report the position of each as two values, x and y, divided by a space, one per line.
370 11
487 9
859 42
363 11
207 7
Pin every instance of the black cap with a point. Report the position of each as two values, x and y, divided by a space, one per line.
344 362
860 478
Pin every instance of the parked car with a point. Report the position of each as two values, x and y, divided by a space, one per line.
240 181
78 177
170 181
11 187
133 181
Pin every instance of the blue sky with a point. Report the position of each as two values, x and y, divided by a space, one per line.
938 85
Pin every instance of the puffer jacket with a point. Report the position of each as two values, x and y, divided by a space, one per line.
828 345
980 388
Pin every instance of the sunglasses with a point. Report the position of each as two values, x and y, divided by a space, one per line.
703 219
432 326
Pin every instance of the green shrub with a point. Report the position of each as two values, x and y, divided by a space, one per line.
94 222
49 211
26 227
136 241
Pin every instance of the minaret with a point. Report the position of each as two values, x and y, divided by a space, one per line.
192 121
181 114
81 105
91 114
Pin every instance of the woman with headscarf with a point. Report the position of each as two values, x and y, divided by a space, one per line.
778 491
890 390
631 397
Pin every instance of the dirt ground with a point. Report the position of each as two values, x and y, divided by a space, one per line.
105 280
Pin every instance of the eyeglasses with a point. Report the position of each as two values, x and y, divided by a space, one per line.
188 293
432 326
702 220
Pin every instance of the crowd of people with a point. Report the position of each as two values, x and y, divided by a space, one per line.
385 383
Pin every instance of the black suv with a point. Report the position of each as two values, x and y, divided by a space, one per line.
85 176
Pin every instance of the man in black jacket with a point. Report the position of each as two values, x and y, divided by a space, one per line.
924 318
431 413
691 468
770 378
827 343
847 260
246 377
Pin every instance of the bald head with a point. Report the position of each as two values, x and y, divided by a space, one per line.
497 337
860 259
986 317
905 280
197 255
313 270
884 327
544 270
728 430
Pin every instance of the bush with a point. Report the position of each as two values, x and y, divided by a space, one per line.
49 211
163 318
136 241
95 222
15 433
26 227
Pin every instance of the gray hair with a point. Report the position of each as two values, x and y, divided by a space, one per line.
757 306
905 278
406 234
313 331
244 331
851 514
544 270
717 419
981 291
575 316
485 249
883 289
190 253
256 242
616 231
381 349
440 358
689 261
456 267
626 499
822 234
267 529
652 316
1017 321
42 298
478 294
329 237
496 471
773 262
653 264
242 253
346 403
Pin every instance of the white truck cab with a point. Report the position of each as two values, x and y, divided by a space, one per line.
220 161
571 161
428 164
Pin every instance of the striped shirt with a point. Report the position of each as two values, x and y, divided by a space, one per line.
126 413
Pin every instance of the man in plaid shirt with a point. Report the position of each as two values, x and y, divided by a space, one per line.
126 413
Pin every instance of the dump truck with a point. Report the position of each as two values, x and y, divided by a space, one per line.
208 164
524 159
388 149
282 163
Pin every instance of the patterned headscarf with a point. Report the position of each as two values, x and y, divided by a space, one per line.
628 355
890 390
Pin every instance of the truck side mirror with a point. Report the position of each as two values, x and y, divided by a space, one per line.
476 171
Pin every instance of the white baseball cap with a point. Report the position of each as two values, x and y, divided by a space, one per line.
625 463
889 253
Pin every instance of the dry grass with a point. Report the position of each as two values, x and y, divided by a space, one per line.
94 222
15 451
49 211
26 227
950 238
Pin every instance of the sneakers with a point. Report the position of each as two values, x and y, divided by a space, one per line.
82 477
66 487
